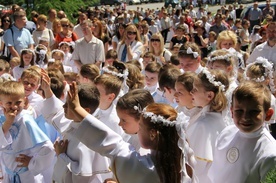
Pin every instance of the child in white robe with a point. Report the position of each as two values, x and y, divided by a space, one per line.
225 61
203 130
158 121
76 163
245 152
129 117
26 150
183 96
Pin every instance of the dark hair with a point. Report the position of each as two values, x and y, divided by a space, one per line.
89 96
174 60
117 32
168 154
57 86
90 71
167 76
251 90
137 97
187 80
153 67
183 50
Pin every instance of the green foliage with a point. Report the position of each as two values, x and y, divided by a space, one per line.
270 177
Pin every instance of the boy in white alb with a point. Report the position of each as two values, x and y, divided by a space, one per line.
26 152
246 152
76 163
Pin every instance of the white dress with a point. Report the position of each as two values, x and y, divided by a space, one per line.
202 131
25 137
242 157
17 71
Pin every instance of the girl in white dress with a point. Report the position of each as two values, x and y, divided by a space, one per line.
208 93
225 61
27 59
157 131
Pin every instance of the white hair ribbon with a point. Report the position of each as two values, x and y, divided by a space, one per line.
190 51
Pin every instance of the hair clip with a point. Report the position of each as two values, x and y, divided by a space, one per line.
190 51
211 79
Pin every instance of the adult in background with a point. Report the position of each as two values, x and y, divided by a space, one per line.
268 10
267 49
77 29
18 38
89 49
218 26
52 15
255 16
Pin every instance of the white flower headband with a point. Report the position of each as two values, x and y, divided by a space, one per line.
211 79
28 50
56 50
63 42
226 57
125 87
180 124
190 51
268 72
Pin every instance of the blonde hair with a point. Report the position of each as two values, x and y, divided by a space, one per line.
158 36
129 28
11 88
226 35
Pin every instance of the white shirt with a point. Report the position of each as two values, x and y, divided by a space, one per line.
263 50
136 48
242 157
78 30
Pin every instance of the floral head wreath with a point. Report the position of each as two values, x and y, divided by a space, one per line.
226 57
32 51
56 50
211 79
180 124
125 87
268 72
41 53
63 42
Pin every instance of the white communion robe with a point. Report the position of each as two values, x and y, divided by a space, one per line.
25 137
126 163
79 164
202 131
243 157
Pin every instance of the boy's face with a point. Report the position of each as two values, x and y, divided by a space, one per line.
67 112
30 85
179 32
248 115
105 101
189 64
151 78
12 103
168 93
128 123
182 96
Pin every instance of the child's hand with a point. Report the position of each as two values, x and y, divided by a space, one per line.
23 159
73 97
45 81
10 114
60 146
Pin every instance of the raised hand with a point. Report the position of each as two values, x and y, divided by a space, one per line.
60 146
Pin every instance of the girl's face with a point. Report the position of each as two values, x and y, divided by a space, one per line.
151 78
211 38
200 97
155 41
131 34
144 135
227 44
65 48
121 30
109 61
57 57
128 123
27 58
220 66
182 96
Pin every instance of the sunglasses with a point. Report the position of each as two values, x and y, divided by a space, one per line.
64 25
155 40
131 33
6 21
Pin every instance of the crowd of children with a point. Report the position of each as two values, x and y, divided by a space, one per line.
147 113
